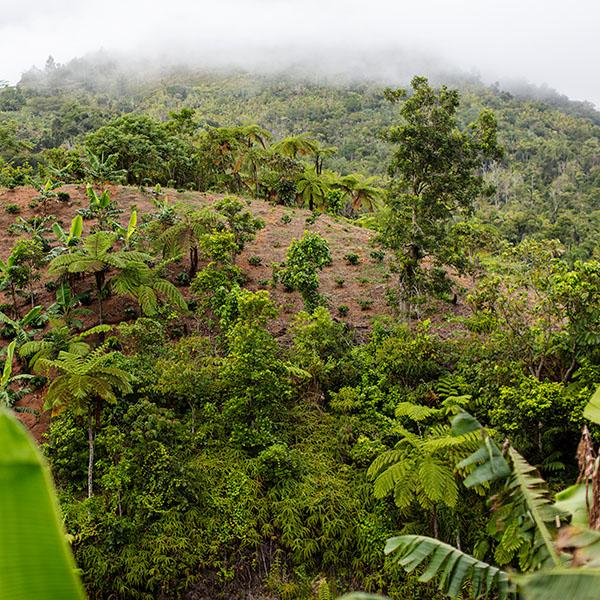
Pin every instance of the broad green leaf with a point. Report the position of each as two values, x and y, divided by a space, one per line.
6 373
592 410
453 567
132 224
561 584
572 501
76 227
35 560
535 496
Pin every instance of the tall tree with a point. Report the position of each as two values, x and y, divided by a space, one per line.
436 169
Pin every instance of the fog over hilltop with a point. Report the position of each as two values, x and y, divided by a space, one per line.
543 42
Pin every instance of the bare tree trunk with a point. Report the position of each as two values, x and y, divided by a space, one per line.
99 290
14 299
91 443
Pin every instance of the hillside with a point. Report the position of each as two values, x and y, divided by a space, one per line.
365 281
546 181
259 326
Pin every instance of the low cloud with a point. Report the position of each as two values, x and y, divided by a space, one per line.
547 41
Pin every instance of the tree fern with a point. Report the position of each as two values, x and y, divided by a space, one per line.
60 339
84 383
454 568
421 468
416 412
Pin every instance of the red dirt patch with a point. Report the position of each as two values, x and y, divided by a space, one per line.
341 283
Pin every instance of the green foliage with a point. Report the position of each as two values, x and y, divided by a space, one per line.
352 258
411 551
241 223
140 149
421 467
304 259
185 234
8 395
36 561
236 459
436 174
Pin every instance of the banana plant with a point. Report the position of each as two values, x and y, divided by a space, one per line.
127 233
66 239
72 237
101 207
8 395
103 169
20 329
35 227
35 561
46 192
67 308
557 562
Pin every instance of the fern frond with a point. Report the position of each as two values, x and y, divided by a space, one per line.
415 412
392 477
437 481
171 293
147 299
384 460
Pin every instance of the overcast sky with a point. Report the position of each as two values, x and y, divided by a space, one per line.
542 41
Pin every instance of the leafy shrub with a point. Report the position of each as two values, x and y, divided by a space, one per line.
377 255
364 303
305 257
343 310
352 258
278 463
285 219
255 261
339 281
12 209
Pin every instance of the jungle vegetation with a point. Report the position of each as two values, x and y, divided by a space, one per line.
199 449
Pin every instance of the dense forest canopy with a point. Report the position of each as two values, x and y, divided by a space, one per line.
263 324
547 180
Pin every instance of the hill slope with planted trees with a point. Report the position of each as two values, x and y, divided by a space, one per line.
282 340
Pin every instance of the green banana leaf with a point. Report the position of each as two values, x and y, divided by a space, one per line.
592 410
572 501
35 559
560 584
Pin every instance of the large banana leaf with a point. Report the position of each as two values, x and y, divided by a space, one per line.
561 584
592 410
35 560
453 567
572 501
